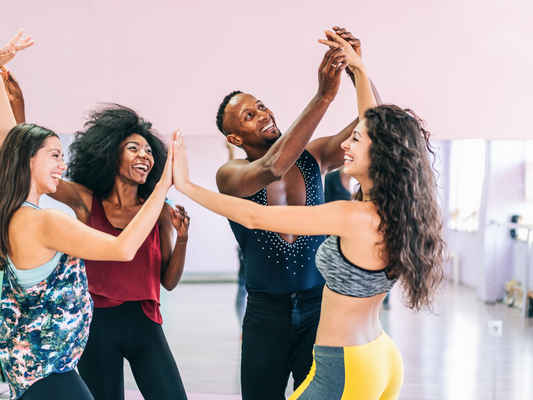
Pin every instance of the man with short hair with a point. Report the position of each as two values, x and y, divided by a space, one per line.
283 283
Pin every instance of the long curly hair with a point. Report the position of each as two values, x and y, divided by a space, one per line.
21 145
405 193
94 152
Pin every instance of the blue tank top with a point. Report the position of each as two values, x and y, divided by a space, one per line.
273 265
28 278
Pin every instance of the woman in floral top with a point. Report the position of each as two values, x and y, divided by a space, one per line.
46 308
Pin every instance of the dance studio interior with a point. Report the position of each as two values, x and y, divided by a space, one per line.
465 67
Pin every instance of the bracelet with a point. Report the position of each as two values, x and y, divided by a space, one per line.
182 242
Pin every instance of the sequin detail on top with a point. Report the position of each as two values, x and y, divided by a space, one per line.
344 277
273 265
44 329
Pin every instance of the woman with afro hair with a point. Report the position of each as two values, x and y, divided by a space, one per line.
46 307
115 163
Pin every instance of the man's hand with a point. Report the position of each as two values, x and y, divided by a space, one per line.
14 92
9 51
329 72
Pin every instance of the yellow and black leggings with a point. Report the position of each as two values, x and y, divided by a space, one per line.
373 371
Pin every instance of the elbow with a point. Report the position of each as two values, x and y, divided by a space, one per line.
125 254
169 288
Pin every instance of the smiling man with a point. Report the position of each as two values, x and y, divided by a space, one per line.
283 283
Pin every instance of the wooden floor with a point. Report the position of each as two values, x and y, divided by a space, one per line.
448 356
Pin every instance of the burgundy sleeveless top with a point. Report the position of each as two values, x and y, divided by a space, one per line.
111 283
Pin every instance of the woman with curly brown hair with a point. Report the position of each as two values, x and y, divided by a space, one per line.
391 232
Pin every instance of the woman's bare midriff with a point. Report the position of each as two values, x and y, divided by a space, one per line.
348 321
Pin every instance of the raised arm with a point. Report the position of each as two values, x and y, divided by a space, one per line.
365 96
7 119
173 254
15 96
327 150
332 218
72 237
7 53
243 178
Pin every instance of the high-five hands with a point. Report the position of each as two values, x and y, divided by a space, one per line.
351 47
181 164
351 39
9 51
166 176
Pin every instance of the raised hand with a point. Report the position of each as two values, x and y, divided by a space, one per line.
181 221
351 39
9 51
181 163
334 40
329 71
166 177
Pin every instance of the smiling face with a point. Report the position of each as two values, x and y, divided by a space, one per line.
135 160
250 122
357 152
47 167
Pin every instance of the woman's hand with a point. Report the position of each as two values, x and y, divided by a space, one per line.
180 220
351 39
9 51
166 177
334 40
181 164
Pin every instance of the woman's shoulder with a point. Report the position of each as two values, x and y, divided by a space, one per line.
76 196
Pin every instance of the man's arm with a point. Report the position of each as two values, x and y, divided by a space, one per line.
327 151
15 96
7 120
7 53
243 178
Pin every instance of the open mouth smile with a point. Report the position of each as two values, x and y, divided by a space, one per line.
268 128
141 167
56 177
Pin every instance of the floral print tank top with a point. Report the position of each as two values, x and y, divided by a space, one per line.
44 329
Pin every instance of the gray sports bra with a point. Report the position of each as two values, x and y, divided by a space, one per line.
344 277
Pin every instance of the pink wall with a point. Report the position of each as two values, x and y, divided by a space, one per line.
464 66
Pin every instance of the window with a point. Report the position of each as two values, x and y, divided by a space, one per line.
467 170
527 216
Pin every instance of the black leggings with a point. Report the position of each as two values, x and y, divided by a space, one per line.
65 386
126 332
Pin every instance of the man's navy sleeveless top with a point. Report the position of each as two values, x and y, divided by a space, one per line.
272 265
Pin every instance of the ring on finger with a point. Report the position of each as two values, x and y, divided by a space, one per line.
333 65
